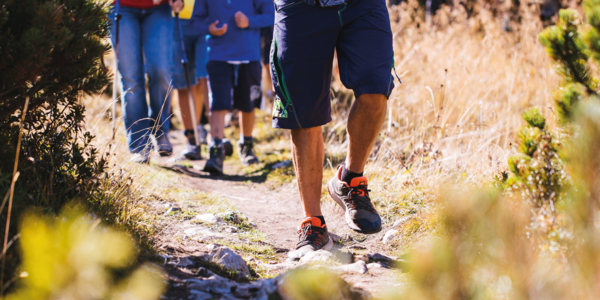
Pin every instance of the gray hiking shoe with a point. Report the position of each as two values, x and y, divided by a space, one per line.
192 152
313 236
360 215
246 153
164 145
214 164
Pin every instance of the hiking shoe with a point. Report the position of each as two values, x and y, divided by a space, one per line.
246 154
202 134
192 152
214 164
140 158
164 145
313 236
360 215
227 147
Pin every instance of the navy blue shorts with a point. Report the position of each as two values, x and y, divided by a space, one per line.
302 54
234 86
196 51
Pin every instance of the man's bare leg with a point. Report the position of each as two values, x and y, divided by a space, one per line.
217 124
246 123
364 124
308 154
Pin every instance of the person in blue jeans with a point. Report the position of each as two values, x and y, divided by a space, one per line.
233 67
197 55
145 45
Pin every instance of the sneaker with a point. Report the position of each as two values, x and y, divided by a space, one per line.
192 152
360 215
246 154
164 145
140 158
313 236
214 164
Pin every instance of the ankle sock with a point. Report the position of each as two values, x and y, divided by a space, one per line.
217 142
320 218
189 134
347 175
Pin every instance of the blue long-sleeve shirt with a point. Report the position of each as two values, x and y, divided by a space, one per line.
236 44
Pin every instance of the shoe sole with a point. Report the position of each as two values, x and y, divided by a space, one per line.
165 153
212 170
192 157
327 247
349 222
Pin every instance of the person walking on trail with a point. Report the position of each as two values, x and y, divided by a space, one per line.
306 34
233 68
145 38
197 55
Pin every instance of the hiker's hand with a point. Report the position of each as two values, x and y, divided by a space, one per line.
241 20
156 2
217 31
176 5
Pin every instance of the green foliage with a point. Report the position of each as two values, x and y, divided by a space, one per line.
565 99
51 52
71 257
534 118
565 45
537 169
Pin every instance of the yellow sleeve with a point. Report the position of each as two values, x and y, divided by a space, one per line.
188 8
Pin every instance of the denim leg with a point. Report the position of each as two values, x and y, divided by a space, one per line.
131 68
157 42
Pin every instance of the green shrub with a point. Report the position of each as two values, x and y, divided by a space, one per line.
52 54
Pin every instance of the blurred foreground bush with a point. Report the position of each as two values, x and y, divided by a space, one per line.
71 257
483 250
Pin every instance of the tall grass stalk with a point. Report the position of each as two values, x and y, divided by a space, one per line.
12 190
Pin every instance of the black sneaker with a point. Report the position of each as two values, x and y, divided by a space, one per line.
360 215
164 145
313 237
246 153
192 152
214 164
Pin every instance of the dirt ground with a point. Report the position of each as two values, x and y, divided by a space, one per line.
276 212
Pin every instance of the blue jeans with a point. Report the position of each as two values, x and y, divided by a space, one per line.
145 45
196 51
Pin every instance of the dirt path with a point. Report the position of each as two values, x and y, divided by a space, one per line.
277 213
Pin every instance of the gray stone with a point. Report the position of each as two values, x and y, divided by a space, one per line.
198 295
320 255
212 285
227 258
359 267
198 230
209 219
375 266
184 263
401 221
231 229
389 236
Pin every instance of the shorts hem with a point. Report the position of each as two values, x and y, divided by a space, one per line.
182 85
385 90
291 123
